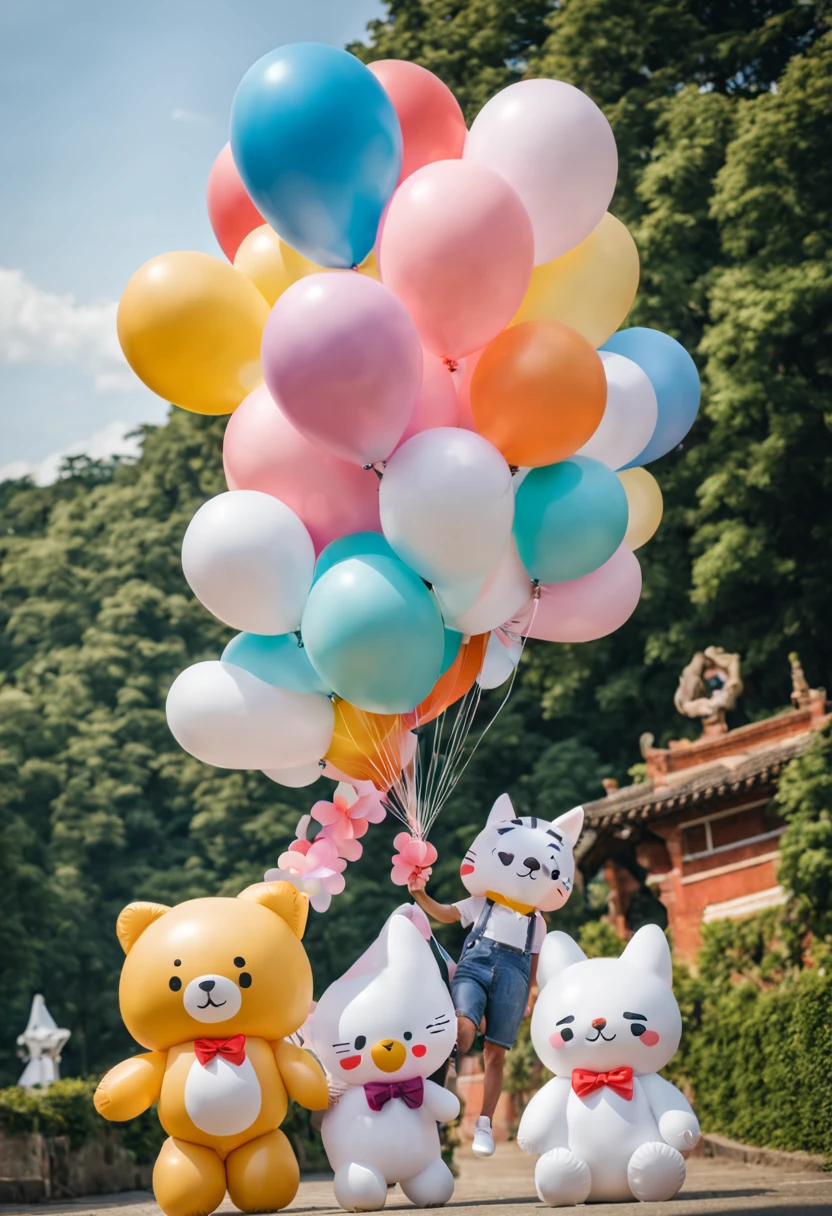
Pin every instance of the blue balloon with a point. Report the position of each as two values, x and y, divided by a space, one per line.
569 519
374 634
673 374
279 660
318 146
453 641
355 544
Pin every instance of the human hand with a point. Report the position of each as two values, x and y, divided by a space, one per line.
532 1001
416 882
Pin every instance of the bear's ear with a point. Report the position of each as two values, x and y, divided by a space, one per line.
501 811
284 899
570 824
134 919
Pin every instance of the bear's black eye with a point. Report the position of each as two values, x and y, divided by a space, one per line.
555 875
407 1035
637 1029
239 962
566 1034
360 1042
174 983
245 980
177 962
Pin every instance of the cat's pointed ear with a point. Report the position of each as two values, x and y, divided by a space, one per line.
570 824
501 811
648 950
559 951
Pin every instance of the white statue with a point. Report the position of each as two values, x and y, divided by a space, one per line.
43 1041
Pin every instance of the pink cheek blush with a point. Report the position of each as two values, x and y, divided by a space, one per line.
649 1038
466 869
556 1039
419 1049
351 1062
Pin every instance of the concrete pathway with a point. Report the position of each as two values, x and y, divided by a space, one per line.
504 1185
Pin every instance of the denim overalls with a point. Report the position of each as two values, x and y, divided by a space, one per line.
493 979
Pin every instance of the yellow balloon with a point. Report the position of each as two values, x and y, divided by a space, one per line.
366 746
190 327
591 288
644 499
299 267
261 257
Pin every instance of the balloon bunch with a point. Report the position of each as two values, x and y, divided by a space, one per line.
437 436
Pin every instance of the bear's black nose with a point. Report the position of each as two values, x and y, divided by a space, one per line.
207 985
531 863
506 858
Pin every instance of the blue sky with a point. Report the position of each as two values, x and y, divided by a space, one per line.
111 113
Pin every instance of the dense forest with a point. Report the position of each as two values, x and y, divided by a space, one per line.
722 113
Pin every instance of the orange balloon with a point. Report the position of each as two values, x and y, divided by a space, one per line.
454 684
366 746
538 393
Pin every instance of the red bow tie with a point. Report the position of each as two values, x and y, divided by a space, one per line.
378 1093
620 1080
233 1049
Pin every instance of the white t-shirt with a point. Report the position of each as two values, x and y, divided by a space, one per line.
504 925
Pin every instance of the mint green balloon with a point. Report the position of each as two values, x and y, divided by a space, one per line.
354 544
279 660
453 641
569 519
374 634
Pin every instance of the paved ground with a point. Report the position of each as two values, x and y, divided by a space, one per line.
504 1185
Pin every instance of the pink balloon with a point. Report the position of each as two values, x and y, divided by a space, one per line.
232 213
586 608
433 127
437 403
343 358
457 249
463 376
263 451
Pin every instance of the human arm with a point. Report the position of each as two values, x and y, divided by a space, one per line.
446 914
130 1088
440 1102
678 1125
543 1125
533 989
302 1075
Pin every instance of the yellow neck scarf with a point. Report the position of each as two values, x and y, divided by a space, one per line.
523 909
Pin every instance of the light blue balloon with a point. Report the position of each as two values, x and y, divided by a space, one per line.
453 641
673 374
374 634
355 544
279 660
318 145
569 519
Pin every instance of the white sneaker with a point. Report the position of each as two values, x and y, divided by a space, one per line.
483 1145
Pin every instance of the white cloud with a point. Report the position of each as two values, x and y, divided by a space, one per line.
112 440
187 116
40 327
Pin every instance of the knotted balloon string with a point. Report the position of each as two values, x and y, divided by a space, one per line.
451 364
379 472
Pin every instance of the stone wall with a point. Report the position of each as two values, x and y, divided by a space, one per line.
34 1168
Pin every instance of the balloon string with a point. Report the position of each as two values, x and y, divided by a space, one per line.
451 364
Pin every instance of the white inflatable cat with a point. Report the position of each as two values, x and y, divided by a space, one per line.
607 1125
383 1028
525 862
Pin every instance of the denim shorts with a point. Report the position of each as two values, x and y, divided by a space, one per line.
493 980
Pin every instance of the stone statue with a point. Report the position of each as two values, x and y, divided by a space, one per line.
708 687
800 685
42 1042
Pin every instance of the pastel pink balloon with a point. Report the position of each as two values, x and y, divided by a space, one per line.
343 358
463 376
457 249
433 127
263 451
437 403
586 608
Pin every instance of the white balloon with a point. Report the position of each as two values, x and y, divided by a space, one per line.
555 147
225 716
295 778
504 593
630 415
250 560
447 505
499 662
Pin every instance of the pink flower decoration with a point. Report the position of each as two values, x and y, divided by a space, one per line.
315 860
347 817
415 857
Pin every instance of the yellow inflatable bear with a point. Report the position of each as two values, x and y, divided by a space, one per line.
213 987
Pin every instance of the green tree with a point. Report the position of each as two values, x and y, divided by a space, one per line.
804 798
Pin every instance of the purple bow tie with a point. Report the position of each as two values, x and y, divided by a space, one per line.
411 1092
